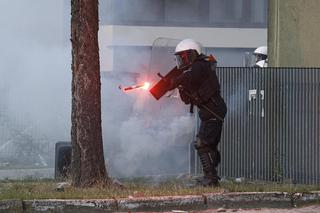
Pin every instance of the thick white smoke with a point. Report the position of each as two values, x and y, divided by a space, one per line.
35 78
154 142
141 135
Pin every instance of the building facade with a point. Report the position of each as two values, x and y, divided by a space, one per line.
228 29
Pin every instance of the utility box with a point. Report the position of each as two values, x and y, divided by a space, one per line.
62 159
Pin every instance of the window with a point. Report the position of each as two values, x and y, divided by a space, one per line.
134 11
259 11
225 11
238 13
183 11
187 13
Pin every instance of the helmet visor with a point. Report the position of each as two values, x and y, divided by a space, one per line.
260 57
185 58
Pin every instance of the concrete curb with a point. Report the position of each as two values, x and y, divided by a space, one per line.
190 202
57 205
13 205
162 203
249 200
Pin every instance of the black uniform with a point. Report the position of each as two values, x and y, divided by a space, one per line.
200 86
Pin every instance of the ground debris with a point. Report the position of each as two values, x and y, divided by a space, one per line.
61 186
118 183
221 210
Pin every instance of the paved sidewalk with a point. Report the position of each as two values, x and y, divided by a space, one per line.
232 202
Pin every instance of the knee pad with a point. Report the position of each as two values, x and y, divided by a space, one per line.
199 144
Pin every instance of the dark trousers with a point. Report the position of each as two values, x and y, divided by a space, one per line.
210 135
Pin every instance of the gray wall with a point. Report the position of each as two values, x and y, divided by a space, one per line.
293 33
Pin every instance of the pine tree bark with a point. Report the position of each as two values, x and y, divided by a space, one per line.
87 164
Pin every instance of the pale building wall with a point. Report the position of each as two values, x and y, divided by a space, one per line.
293 33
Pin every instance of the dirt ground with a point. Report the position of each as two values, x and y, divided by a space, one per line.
305 209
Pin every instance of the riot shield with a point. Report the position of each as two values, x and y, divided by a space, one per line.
162 61
162 55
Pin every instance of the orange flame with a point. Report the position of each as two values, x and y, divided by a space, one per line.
145 86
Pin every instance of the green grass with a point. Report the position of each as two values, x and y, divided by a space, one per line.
45 189
268 187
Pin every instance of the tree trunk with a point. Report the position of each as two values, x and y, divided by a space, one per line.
87 164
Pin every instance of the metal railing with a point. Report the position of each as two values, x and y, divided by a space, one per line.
272 128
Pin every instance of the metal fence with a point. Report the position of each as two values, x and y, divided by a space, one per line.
272 129
22 144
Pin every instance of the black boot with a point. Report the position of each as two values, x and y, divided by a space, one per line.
208 159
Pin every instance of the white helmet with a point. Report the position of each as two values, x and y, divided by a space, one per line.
186 53
261 53
188 44
263 50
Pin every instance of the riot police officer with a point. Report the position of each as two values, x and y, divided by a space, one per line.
199 85
261 57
